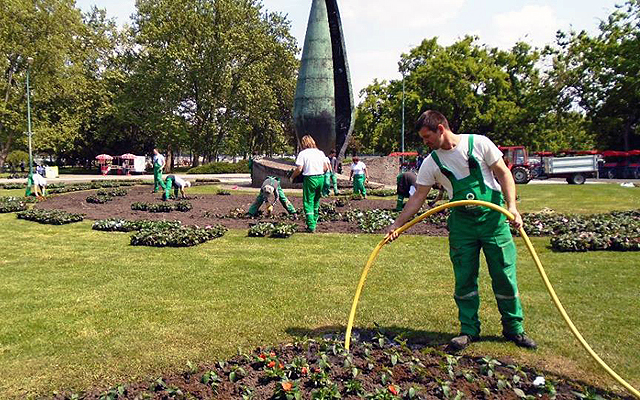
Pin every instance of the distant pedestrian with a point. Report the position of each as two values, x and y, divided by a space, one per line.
360 177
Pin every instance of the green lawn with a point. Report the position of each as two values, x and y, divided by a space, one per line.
81 307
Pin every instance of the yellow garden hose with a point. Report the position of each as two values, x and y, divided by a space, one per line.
534 255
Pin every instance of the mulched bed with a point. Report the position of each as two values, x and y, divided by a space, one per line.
206 207
378 368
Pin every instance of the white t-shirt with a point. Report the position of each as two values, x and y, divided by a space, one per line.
457 161
358 168
181 183
158 159
39 180
312 161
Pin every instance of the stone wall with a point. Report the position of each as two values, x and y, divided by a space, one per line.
380 169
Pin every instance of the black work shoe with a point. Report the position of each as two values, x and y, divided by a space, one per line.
521 340
461 341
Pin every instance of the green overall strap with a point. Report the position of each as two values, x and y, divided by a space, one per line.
445 171
474 166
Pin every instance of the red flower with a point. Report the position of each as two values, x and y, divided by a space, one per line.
303 371
271 364
393 390
262 356
286 386
272 354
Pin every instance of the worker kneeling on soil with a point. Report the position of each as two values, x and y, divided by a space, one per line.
270 192
36 185
177 183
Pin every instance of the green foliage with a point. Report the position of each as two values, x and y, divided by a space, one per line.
241 166
182 236
98 199
114 192
52 217
16 157
182 206
261 229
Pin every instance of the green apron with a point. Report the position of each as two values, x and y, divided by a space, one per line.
253 210
470 229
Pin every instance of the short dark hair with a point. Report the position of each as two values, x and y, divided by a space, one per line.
431 119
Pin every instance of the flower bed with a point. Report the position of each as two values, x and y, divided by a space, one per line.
112 192
182 206
176 236
121 225
12 204
377 369
278 230
96 199
52 217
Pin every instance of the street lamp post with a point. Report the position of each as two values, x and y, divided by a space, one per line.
402 137
29 133
29 63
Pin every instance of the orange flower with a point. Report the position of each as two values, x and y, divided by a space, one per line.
393 390
280 366
271 364
303 371
286 386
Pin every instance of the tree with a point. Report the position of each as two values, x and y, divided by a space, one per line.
601 76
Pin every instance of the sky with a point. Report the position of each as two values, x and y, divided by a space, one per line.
377 32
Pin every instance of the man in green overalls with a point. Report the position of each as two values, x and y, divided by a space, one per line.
468 167
158 166
271 192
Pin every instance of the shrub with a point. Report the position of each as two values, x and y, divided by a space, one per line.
221 168
53 217
9 186
121 225
381 192
176 236
183 206
12 204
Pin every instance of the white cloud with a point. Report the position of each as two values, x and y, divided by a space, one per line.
536 25
408 14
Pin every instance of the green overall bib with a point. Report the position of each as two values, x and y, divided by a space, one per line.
275 182
470 229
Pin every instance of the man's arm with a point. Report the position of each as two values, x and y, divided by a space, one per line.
410 209
296 172
504 177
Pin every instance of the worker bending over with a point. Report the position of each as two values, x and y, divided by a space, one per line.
178 184
270 193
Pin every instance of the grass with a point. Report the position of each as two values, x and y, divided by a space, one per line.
82 308
582 199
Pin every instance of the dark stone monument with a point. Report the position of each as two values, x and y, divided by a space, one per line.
323 105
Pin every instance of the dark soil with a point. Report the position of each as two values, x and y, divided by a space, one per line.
378 368
208 210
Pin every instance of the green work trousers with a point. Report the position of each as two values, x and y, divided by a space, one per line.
311 193
467 235
157 178
358 185
253 210
330 181
400 203
29 192
167 188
